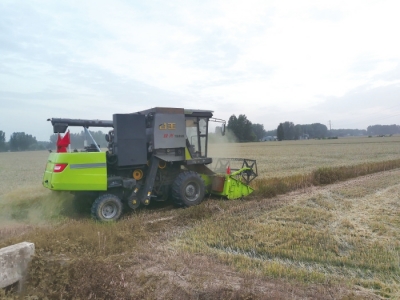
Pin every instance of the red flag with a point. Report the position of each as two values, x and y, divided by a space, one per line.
228 170
63 142
67 139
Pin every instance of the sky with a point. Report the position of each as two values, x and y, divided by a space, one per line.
274 61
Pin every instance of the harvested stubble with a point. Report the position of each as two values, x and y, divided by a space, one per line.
319 236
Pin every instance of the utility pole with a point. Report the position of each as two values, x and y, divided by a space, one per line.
330 125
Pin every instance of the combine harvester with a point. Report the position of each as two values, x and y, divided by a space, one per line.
155 154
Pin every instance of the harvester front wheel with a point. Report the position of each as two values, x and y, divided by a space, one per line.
107 207
188 189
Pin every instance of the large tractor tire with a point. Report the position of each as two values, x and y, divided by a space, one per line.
107 207
188 189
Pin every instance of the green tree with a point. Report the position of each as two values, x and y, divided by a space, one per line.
288 130
298 131
259 131
232 124
280 133
383 129
242 128
315 130
2 141
20 141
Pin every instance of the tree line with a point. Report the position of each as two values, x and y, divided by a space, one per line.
243 130
20 141
239 129
347 132
383 129
289 131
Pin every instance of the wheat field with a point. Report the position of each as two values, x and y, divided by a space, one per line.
278 159
339 241
274 159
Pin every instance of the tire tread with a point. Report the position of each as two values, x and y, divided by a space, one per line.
176 188
96 206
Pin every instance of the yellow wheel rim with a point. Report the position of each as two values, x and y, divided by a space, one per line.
137 174
162 164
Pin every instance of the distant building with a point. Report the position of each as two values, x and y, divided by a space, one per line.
269 138
304 136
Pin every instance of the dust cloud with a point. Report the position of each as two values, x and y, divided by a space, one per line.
227 147
33 205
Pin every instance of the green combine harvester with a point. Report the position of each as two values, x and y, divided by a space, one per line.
153 155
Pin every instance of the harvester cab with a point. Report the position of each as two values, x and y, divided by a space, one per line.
152 155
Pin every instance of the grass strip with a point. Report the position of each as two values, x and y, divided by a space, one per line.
271 187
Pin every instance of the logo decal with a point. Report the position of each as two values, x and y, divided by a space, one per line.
167 126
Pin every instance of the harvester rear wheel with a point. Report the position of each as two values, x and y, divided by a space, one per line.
188 189
107 207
